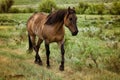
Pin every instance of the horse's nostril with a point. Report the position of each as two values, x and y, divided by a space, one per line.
75 33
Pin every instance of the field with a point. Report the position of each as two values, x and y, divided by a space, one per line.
26 2
60 3
89 55
94 54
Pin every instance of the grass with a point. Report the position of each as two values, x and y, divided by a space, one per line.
22 4
16 64
16 17
26 2
16 69
87 57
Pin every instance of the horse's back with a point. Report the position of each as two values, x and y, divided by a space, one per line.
35 22
36 18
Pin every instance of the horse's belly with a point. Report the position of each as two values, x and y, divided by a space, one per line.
50 34
54 39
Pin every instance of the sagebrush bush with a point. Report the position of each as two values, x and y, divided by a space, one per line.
25 10
47 5
14 10
5 5
112 63
28 10
81 8
115 9
100 8
85 8
90 9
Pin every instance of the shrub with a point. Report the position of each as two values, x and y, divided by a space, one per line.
47 5
25 10
85 8
112 63
115 8
100 8
4 20
81 8
5 5
28 10
14 10
91 9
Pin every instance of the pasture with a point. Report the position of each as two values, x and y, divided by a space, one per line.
89 55
94 54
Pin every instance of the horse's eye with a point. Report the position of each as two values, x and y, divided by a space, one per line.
70 19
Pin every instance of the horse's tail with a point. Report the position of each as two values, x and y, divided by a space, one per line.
30 44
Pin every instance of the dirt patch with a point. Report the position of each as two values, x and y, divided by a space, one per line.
3 59
2 42
15 77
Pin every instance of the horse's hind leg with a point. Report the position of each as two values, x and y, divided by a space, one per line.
47 54
37 57
36 48
30 44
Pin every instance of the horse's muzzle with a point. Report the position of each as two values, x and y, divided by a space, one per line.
75 33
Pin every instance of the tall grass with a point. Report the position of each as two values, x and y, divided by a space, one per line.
85 53
24 2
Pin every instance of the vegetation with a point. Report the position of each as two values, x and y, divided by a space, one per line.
81 8
94 51
115 8
29 2
98 8
89 7
47 5
17 19
5 5
26 2
86 1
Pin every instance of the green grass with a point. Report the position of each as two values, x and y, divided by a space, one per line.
26 2
81 51
88 46
22 4
16 19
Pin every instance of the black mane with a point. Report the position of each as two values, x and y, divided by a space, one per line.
55 17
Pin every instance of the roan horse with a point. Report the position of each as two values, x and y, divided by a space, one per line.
50 28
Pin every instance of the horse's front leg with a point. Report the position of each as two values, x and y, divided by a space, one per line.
37 56
62 55
47 54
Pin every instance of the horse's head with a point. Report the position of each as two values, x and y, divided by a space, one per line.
70 21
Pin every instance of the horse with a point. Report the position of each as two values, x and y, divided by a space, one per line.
50 28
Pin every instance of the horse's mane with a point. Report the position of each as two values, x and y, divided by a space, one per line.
56 16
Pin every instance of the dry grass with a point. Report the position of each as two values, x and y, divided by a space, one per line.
16 64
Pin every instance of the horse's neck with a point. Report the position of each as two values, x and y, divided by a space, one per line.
58 27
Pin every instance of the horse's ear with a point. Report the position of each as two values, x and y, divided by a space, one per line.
73 8
69 9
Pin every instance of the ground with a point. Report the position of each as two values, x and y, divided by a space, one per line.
96 42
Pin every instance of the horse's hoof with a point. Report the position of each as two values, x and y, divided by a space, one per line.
61 68
38 62
48 66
